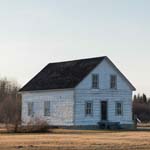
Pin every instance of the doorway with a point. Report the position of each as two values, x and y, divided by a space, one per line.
104 111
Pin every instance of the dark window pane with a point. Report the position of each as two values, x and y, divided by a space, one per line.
113 81
88 108
30 109
47 108
95 81
119 108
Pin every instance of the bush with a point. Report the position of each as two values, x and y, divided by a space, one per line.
35 126
11 128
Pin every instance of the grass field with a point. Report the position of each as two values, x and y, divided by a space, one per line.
77 140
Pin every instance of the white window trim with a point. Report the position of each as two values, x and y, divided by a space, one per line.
31 114
113 88
47 114
88 115
121 108
95 74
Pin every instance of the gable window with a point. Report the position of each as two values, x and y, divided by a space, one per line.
30 109
95 81
46 108
119 108
88 108
113 81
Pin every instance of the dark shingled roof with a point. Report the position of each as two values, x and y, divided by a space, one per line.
61 75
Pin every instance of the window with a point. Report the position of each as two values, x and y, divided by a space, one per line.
88 108
113 81
95 81
119 109
30 109
47 108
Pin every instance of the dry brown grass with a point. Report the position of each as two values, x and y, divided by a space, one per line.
77 140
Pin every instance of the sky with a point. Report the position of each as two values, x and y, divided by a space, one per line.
34 33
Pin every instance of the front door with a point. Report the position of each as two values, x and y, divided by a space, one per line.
104 110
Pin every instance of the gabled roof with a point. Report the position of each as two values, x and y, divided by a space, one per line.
62 75
68 74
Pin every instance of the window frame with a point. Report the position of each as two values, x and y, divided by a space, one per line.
113 83
30 106
119 109
47 110
87 110
95 81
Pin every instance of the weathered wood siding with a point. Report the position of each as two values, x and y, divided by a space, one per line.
84 92
61 106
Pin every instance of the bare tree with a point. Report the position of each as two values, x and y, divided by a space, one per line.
10 104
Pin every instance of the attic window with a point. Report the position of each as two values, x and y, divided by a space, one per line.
113 82
95 81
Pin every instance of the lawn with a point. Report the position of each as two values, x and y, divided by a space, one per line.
77 140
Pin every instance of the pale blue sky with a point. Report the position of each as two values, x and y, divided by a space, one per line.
36 32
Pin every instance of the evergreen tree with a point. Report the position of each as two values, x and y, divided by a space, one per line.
144 99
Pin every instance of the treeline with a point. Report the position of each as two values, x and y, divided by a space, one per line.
10 102
141 107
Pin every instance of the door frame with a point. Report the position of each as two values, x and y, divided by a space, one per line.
106 110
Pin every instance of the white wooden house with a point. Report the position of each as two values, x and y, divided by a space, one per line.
79 93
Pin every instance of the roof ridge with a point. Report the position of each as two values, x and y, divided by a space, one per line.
77 60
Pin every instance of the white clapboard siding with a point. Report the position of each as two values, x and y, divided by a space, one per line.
61 106
84 92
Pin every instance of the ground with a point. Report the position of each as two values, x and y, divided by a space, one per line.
77 140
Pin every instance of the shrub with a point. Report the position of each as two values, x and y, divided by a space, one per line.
36 126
